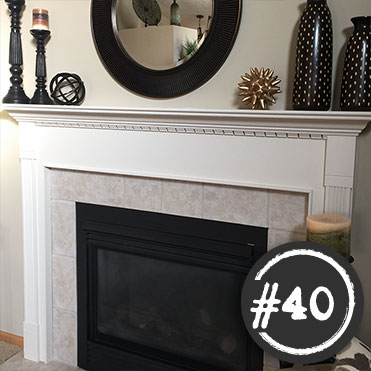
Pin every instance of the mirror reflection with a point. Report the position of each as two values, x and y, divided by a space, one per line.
162 34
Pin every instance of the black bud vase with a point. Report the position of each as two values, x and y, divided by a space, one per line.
356 84
313 72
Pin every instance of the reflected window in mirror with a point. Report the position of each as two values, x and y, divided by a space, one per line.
162 34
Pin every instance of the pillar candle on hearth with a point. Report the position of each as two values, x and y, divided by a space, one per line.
331 230
40 19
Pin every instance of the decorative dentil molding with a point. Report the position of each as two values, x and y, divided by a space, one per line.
280 124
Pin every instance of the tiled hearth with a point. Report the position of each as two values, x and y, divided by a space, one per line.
282 212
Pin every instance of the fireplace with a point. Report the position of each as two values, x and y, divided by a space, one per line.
162 292
283 164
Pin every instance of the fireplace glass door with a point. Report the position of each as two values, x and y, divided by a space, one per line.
160 292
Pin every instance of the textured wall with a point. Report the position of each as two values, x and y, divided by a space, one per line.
361 231
266 38
11 252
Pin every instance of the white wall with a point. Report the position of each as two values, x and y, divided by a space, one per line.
11 253
361 231
157 47
266 38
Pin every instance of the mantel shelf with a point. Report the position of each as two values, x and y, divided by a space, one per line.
292 124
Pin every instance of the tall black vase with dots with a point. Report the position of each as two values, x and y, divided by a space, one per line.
313 71
356 84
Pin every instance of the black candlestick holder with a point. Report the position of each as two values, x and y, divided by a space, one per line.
16 93
41 95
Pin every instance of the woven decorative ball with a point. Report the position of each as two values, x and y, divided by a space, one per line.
67 89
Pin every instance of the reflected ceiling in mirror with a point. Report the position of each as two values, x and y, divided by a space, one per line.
162 34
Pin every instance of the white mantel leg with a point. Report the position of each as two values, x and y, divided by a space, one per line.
37 286
31 323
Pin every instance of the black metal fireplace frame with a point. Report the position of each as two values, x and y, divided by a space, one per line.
225 246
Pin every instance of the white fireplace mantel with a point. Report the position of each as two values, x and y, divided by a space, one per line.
310 152
302 124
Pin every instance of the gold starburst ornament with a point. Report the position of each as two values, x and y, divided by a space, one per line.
258 88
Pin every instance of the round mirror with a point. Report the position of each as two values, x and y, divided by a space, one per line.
162 34
164 48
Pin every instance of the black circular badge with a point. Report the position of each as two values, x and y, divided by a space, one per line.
302 302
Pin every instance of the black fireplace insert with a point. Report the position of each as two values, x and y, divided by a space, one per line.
163 292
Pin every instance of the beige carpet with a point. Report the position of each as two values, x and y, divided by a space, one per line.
7 351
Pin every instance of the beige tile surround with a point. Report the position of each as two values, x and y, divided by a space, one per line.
282 212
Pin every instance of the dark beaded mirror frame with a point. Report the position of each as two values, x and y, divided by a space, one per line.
176 81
